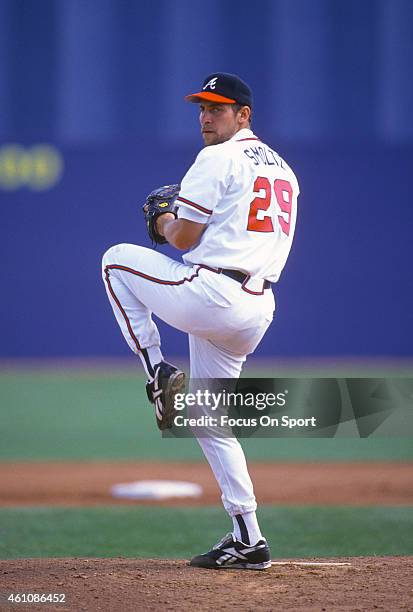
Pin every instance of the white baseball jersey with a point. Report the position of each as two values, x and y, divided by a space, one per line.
246 194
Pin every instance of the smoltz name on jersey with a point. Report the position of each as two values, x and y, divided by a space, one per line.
264 155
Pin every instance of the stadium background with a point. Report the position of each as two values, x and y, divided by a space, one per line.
103 83
92 118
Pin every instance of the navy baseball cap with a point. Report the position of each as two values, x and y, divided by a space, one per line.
224 88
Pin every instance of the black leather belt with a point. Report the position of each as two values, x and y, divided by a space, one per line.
241 277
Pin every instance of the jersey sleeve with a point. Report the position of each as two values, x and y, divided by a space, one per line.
204 184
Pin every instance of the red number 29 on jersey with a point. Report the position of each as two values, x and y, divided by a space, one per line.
284 196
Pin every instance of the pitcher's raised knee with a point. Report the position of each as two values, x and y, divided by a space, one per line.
114 254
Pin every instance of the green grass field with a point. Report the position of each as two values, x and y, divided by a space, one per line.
103 415
151 531
57 415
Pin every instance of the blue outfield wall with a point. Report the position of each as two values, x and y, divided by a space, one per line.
346 289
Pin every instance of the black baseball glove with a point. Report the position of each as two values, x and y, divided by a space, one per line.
159 202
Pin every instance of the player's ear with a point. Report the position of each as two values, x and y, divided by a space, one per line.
244 114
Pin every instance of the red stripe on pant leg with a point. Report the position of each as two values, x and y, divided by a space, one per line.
112 293
153 279
149 278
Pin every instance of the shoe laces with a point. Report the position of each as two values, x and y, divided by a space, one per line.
222 540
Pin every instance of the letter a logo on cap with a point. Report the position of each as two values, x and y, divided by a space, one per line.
211 84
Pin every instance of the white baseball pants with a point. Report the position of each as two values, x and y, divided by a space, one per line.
224 323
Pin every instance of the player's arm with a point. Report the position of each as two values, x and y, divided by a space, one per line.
201 188
180 233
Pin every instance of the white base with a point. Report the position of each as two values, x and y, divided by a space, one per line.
155 489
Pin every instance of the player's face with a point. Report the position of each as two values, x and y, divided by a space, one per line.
218 122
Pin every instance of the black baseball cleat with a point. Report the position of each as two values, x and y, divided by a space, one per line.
161 391
229 553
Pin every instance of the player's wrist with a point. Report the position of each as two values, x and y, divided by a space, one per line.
163 220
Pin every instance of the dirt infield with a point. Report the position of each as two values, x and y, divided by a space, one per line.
144 584
84 484
356 584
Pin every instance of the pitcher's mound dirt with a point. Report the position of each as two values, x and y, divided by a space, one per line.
154 584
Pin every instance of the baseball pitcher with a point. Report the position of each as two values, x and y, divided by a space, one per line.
234 215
